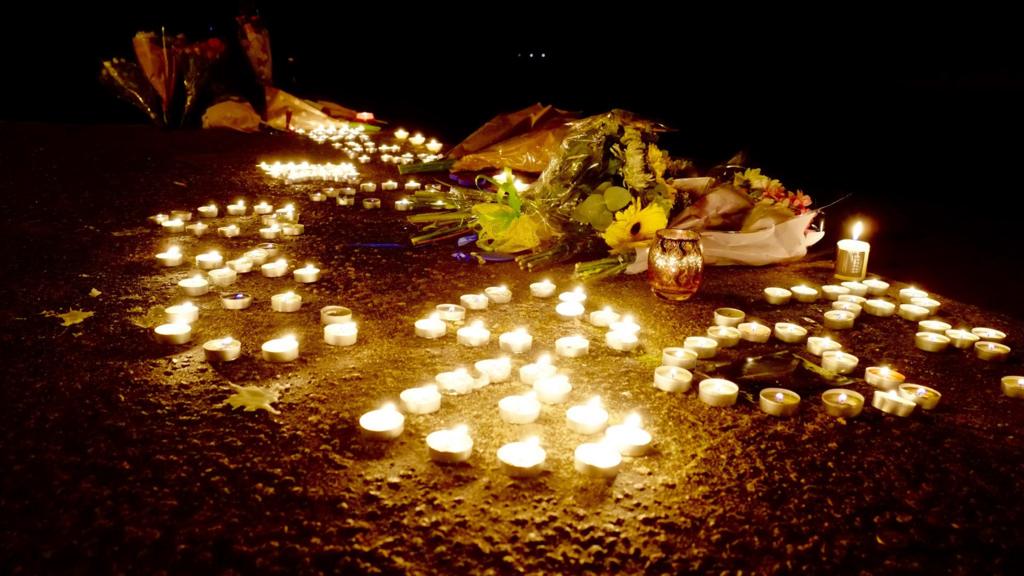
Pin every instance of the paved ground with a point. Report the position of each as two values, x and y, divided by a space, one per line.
121 458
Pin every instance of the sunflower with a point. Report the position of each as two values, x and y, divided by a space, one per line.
634 227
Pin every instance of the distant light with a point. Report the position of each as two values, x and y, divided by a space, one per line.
531 54
543 55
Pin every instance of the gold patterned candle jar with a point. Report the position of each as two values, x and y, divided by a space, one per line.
675 264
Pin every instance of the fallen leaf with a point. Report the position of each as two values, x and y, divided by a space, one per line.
70 317
252 398
94 292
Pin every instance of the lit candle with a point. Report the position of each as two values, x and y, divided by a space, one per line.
890 402
627 324
270 232
401 134
717 392
875 286
850 307
991 351
754 332
317 196
332 192
335 315
450 446
577 295
434 146
184 313
961 339
493 370
790 333
519 409
283 349
307 274
369 187
222 349
170 257
883 377
431 327
912 312
474 301
936 326
833 292
451 312
208 211
262 208
704 347
229 231
235 301
856 288
859 300
364 116
438 205
819 344
209 260
522 459
413 185
194 286
403 205
842 403
838 361
341 334
286 302
421 400
597 459
931 342
603 317
777 296
726 336
371 203
729 317
779 402
572 346
222 276
498 294
672 378
989 334
1013 386
199 229
925 397
259 256
417 139
679 356
589 418
173 225
158 219
909 293
543 289
931 304
275 269
570 310
839 319
629 438
620 340
473 335
385 423
172 333
236 209
804 293
516 342
879 307
389 185
852 256
553 390
183 215
540 369
293 229
458 381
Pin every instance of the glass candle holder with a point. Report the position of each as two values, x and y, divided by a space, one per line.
675 264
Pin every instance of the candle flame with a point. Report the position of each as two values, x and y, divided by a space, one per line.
544 359
461 429
634 420
389 407
779 397
594 402
532 440
858 229
174 250
842 397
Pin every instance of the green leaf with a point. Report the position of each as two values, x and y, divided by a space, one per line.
602 221
616 198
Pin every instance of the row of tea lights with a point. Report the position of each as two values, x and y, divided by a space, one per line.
275 223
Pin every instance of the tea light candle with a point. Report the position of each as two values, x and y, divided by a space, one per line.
184 313
431 327
417 139
173 225
183 215
1013 386
194 286
170 257
597 459
434 146
450 446
804 294
275 269
629 438
729 317
421 400
519 409
413 185
852 256
270 232
839 319
543 289
494 370
341 334
522 459
925 397
307 274
293 229
572 346
991 351
842 403
474 301
473 335
222 349
626 324
726 336
236 209
704 347
229 231
158 219
386 423
875 286
577 295
672 378
368 187
717 392
553 390
438 205
262 208
679 356
589 418
286 302
858 300
389 185
931 342
880 308
620 340
222 276
754 332
451 312
371 203
855 288
833 292
961 339
235 301
199 229
335 315
790 333
779 402
401 134
283 349
989 334
240 265
777 296
569 310
208 211
604 317
936 326
209 260
259 256
172 333
890 402
458 381
498 294
403 205
908 294
850 307
515 342
332 192
346 201
538 370
838 361
912 312
930 303
317 196
883 377
817 345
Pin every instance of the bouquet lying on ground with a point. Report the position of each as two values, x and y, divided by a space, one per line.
605 195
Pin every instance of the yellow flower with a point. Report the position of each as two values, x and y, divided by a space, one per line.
634 227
